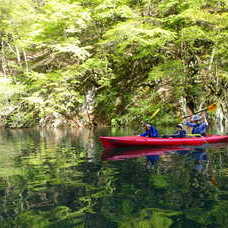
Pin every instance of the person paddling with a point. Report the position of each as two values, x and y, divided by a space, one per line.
151 131
198 124
180 132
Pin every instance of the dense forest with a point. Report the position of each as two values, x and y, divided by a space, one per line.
111 62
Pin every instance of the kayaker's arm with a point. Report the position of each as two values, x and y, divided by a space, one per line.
204 119
177 134
144 134
189 124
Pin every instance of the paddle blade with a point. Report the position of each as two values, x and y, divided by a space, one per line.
212 107
155 113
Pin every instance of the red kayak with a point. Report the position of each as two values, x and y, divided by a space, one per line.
129 141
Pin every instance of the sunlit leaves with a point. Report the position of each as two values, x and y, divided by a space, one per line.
71 48
116 47
170 7
8 93
187 34
111 13
166 70
96 72
15 22
135 40
206 19
8 89
58 21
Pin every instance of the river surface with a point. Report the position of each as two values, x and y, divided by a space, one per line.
64 178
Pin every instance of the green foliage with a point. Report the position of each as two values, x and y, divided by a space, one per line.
96 72
136 41
172 7
8 92
21 119
165 70
14 21
109 12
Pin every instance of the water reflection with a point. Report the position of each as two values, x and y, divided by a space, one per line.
63 179
193 154
45 178
184 183
126 153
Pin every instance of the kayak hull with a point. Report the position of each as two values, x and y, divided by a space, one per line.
129 141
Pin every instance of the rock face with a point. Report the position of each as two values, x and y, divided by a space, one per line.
86 115
1 123
54 120
222 119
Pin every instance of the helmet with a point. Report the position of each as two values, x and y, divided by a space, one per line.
180 126
146 125
196 117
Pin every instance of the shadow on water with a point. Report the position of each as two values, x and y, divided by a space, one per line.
63 178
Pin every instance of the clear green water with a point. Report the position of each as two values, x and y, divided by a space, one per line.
58 179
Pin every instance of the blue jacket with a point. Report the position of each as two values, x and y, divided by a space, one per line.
152 132
179 134
197 128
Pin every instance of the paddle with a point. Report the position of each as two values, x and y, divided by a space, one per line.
155 113
210 108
